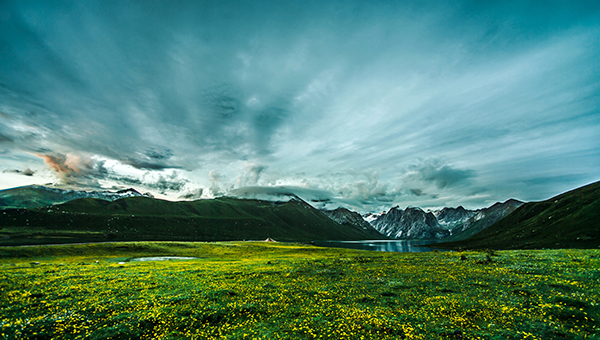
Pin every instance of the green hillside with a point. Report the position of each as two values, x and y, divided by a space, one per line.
30 197
570 220
143 218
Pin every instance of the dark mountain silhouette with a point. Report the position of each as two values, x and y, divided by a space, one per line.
143 218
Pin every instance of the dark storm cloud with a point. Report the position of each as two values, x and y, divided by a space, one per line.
417 192
147 165
442 175
126 180
26 172
166 183
508 90
4 139
153 153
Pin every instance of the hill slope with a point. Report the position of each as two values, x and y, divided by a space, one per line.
143 218
570 220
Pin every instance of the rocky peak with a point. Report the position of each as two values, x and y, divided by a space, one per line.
347 217
352 219
449 217
411 223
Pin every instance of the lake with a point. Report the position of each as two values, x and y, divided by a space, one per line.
401 246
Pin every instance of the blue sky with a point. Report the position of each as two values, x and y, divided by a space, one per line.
361 104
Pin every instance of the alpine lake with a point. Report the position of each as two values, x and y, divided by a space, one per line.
403 246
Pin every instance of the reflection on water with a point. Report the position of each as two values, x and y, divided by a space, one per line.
163 258
379 245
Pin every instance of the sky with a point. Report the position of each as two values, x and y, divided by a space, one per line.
360 104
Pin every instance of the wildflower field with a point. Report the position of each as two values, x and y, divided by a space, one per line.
255 290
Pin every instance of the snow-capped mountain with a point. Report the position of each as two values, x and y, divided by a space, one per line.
411 223
450 217
484 218
347 217
370 217
414 223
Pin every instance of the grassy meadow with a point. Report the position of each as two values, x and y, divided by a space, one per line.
256 290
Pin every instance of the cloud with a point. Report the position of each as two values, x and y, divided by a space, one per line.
365 191
417 192
193 194
439 173
215 183
5 139
146 165
163 183
166 183
282 193
250 175
87 171
152 158
26 172
76 170
127 180
346 97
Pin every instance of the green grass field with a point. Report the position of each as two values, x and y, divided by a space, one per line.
255 290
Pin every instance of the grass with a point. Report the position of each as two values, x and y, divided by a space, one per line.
255 290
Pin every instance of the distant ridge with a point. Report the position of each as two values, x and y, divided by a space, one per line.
569 220
143 218
37 196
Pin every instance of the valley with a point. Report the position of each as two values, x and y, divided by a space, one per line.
233 289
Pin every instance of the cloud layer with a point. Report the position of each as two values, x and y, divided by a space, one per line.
374 104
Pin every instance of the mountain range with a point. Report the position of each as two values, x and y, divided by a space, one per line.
351 219
450 224
569 220
448 218
37 196
408 224
482 219
38 214
143 218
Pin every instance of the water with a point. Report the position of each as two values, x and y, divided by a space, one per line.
163 258
380 245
